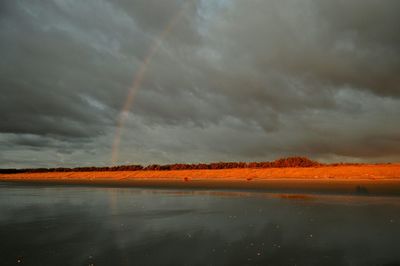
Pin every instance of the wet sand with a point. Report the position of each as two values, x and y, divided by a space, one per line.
381 179
67 225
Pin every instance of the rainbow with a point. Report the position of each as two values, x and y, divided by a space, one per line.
138 79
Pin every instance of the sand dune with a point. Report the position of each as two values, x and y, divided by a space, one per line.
362 179
345 172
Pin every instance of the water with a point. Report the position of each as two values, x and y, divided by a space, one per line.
70 225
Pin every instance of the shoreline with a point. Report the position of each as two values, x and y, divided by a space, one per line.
292 186
360 180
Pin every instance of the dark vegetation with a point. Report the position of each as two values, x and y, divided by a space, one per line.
280 163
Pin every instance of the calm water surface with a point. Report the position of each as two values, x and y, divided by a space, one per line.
70 225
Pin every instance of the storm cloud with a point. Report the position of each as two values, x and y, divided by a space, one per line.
232 80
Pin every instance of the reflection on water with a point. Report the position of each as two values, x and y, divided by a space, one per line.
56 225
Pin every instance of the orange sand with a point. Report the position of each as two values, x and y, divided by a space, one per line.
373 179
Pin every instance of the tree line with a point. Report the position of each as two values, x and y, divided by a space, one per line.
280 163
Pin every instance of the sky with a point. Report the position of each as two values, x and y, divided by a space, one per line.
230 80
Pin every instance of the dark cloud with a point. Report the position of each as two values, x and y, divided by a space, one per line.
232 80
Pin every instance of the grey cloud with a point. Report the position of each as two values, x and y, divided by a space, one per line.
232 80
352 43
155 16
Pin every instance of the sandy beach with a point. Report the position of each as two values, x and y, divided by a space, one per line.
381 179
